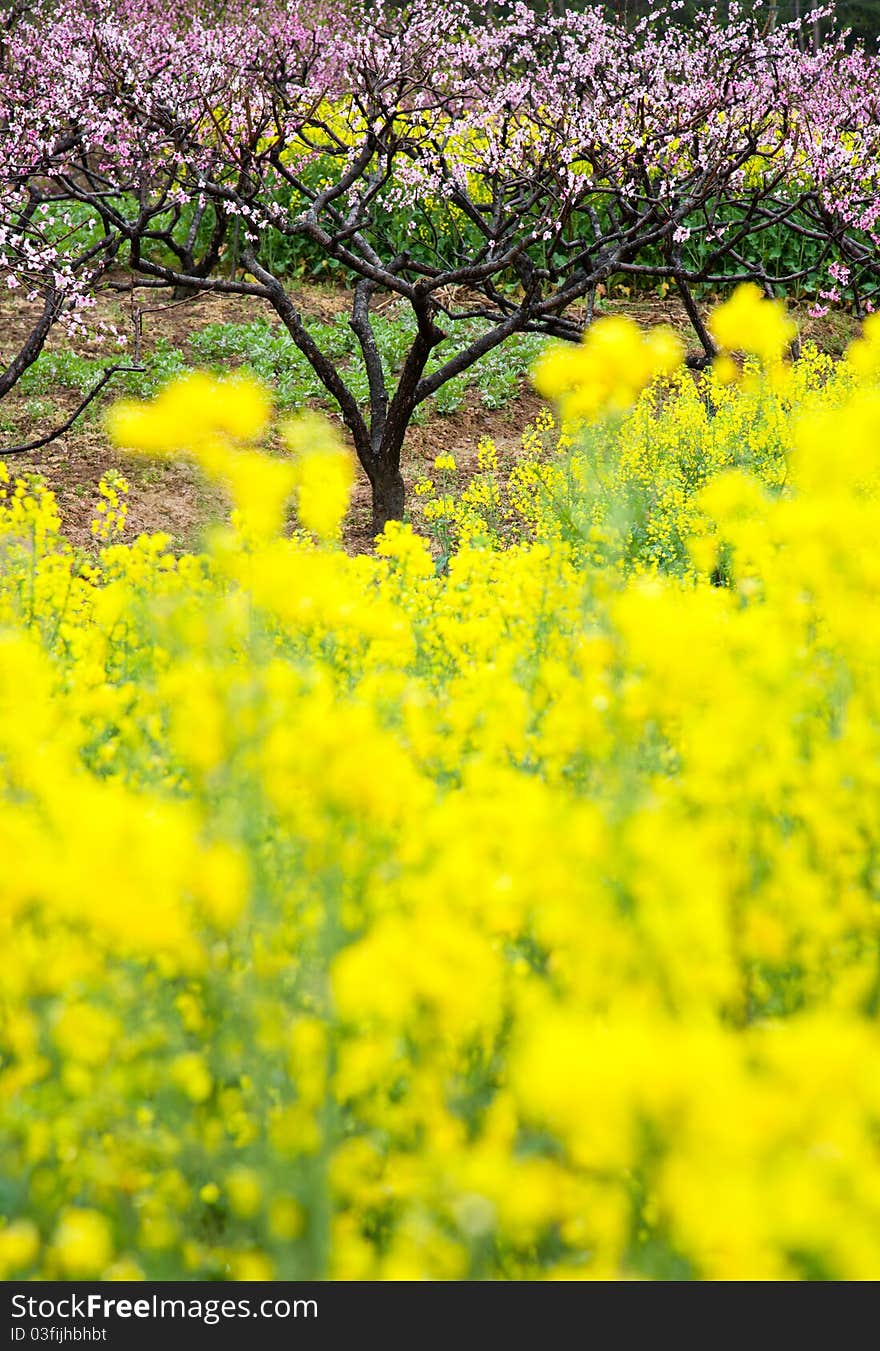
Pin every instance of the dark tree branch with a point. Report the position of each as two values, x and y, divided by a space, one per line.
93 393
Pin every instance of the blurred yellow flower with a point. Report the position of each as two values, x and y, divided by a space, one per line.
749 322
608 369
323 475
471 909
83 1243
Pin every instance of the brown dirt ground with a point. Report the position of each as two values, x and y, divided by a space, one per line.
171 496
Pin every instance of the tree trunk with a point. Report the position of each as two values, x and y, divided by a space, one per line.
33 344
388 496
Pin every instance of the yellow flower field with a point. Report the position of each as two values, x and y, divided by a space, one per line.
515 917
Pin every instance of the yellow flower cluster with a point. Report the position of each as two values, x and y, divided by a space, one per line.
111 509
603 373
516 919
195 413
324 476
236 414
748 322
628 492
864 354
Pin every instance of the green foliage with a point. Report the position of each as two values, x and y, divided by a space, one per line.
62 370
270 354
164 362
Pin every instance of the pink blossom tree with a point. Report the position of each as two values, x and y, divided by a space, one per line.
564 150
51 250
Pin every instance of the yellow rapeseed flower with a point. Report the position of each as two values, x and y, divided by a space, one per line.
83 1243
607 370
749 322
323 475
